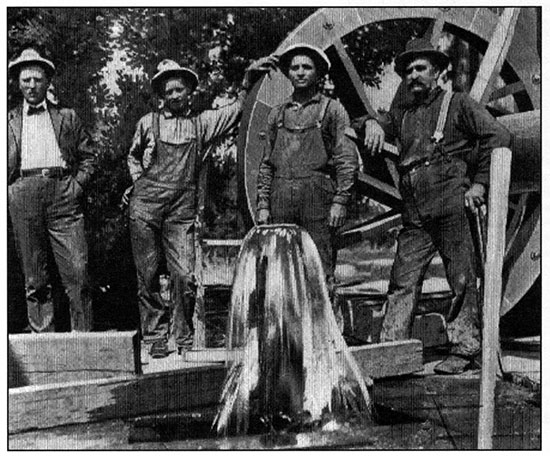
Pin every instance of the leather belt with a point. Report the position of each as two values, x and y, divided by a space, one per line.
52 172
417 164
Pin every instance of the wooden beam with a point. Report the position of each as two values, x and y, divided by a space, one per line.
358 86
389 359
509 89
492 291
45 406
35 359
378 190
386 359
370 230
495 55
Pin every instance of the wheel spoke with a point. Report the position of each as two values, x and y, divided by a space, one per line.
358 86
494 56
507 90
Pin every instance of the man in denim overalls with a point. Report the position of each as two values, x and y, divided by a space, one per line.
444 171
164 162
309 164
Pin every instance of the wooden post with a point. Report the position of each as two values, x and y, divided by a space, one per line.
492 291
199 317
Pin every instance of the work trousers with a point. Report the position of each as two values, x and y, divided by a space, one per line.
435 220
46 214
154 237
306 202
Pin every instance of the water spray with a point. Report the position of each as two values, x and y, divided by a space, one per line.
295 364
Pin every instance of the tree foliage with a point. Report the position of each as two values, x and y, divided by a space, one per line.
105 58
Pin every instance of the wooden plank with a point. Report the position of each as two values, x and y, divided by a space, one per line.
386 359
358 86
45 406
507 90
378 190
389 359
61 357
430 329
370 230
492 292
495 55
199 318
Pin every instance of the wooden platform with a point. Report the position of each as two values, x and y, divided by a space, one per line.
169 384
37 359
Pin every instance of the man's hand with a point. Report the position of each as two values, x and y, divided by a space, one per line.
258 68
126 195
263 216
374 137
475 196
337 215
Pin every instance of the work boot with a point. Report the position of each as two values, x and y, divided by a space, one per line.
454 365
186 344
159 349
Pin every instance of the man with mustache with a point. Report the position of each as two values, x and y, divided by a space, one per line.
164 162
446 140
50 162
309 164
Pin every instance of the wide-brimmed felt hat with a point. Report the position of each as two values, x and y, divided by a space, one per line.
30 57
168 68
418 48
321 60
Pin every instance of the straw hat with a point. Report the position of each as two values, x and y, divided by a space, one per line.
168 68
30 57
418 48
321 60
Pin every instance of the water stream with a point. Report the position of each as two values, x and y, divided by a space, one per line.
295 365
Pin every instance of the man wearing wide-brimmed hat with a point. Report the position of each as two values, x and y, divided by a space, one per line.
50 162
309 164
446 140
164 161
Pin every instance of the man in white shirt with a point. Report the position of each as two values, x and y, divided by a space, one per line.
50 161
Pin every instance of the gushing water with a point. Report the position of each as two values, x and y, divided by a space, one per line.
295 361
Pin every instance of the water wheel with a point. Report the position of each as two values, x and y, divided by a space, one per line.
501 47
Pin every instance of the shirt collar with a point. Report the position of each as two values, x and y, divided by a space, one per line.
436 91
26 105
170 115
314 99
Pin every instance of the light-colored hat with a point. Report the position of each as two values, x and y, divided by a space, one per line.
416 48
168 68
30 57
319 57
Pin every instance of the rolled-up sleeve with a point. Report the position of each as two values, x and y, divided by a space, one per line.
217 122
142 146
344 153
265 173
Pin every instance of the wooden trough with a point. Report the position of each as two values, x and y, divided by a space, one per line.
61 379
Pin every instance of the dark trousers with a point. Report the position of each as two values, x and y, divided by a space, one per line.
153 236
438 224
306 202
46 214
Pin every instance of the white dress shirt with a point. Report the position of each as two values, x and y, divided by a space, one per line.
39 147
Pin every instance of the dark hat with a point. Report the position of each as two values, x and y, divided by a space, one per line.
168 68
321 60
30 57
418 48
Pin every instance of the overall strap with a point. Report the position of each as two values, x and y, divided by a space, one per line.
323 110
156 127
437 137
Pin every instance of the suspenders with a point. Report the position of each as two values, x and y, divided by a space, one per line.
442 119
